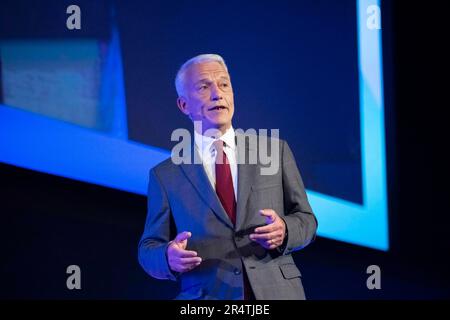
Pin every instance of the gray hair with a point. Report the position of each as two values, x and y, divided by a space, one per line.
180 78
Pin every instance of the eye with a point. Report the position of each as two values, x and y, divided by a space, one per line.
202 87
224 85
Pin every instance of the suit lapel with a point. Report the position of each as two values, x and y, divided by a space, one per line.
197 175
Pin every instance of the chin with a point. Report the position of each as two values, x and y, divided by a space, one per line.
219 123
222 124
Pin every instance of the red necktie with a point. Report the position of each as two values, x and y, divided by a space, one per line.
224 182
225 192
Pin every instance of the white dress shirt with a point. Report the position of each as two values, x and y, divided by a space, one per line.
206 150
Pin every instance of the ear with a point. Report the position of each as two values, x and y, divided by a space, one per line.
182 105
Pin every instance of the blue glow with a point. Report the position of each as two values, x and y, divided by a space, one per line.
40 143
365 224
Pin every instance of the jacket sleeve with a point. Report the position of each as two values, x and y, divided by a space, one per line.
300 220
155 239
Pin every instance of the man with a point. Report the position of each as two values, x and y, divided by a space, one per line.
221 227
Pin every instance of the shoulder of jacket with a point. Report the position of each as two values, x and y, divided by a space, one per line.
255 135
164 167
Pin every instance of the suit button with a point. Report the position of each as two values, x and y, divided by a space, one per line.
237 271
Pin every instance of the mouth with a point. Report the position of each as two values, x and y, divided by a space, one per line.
218 108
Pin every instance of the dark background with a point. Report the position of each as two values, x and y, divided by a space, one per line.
50 222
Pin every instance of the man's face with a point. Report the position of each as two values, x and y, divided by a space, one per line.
208 96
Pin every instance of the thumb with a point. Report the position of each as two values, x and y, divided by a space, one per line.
181 238
268 214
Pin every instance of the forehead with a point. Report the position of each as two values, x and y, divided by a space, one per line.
206 70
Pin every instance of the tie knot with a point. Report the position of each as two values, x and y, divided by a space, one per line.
221 157
218 145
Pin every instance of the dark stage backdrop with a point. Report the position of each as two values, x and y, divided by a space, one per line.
51 222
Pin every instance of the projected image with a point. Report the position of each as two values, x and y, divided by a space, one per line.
73 81
76 102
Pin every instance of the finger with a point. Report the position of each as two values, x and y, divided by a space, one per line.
191 260
186 268
268 228
176 250
274 243
262 243
269 244
179 266
264 236
182 236
181 253
269 214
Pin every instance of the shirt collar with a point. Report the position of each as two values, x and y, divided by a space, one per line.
204 143
229 138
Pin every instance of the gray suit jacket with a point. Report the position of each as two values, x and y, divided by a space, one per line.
181 198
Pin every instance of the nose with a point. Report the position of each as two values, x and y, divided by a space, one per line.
215 93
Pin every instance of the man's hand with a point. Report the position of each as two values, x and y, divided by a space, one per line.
180 259
272 235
